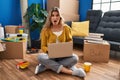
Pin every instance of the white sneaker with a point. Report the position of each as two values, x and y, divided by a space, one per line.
39 68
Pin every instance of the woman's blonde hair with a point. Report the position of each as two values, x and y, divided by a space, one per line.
48 22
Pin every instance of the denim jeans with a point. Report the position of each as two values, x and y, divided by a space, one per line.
56 64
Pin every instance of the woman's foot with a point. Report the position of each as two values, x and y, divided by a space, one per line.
73 68
40 68
79 72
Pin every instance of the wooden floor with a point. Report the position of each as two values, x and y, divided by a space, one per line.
99 71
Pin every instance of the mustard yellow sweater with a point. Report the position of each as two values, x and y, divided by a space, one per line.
47 36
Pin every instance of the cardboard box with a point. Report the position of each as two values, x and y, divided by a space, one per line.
96 52
70 17
14 50
11 29
23 36
66 6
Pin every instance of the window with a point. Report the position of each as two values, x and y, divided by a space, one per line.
106 5
96 6
96 1
115 6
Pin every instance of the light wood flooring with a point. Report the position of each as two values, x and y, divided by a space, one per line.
99 71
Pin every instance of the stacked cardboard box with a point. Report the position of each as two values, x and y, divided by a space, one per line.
11 29
69 8
15 49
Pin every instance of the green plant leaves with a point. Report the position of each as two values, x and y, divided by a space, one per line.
36 16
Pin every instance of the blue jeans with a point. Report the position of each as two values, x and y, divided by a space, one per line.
56 64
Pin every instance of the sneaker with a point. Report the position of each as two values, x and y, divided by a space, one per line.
79 72
40 68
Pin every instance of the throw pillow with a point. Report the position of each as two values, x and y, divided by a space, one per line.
80 28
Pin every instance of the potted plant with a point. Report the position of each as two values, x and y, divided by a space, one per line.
35 17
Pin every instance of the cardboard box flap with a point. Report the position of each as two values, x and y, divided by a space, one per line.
1 47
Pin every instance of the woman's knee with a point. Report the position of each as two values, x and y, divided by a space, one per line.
42 57
75 58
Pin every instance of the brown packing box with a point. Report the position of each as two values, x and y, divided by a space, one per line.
96 52
11 29
14 50
66 6
70 17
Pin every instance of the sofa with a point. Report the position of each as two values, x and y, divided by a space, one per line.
109 25
94 16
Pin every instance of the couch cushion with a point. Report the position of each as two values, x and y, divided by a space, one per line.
80 28
68 23
94 16
114 45
110 26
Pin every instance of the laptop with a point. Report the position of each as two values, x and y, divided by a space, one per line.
59 50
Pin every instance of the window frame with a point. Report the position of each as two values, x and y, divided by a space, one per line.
101 4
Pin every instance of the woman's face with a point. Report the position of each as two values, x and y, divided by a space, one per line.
55 18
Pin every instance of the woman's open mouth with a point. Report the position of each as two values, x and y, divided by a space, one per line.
55 21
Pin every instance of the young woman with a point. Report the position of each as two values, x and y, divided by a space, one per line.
55 31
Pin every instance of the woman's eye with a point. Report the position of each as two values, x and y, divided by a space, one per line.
52 15
57 15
